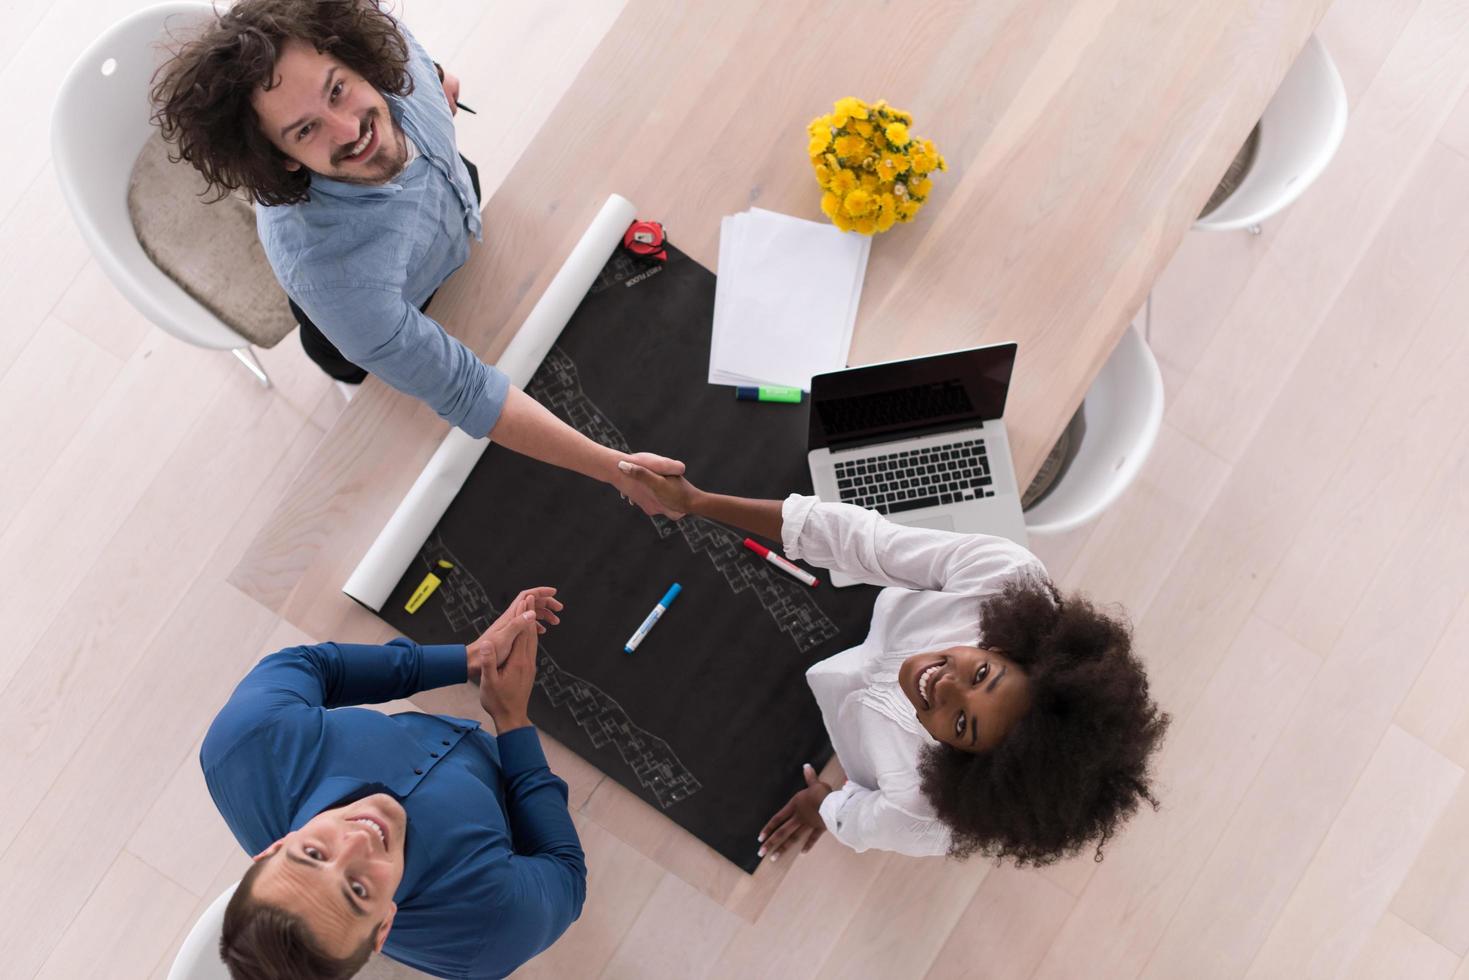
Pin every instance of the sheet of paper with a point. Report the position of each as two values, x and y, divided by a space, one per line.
786 300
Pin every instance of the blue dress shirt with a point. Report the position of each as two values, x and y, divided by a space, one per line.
494 871
361 260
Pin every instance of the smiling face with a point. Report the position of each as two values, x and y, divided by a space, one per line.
339 872
966 697
327 118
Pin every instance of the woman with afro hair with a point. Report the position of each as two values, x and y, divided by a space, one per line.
984 712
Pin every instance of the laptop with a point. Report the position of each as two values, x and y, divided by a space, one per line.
921 441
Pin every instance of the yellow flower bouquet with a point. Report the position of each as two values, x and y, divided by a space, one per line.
873 172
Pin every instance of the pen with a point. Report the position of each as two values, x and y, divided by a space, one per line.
653 617
465 108
781 563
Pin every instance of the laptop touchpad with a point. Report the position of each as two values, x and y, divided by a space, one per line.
939 522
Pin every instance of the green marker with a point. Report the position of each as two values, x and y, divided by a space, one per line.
770 393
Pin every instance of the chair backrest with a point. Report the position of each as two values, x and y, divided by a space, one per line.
98 125
198 957
1123 411
1299 134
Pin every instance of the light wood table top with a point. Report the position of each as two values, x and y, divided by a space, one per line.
1082 138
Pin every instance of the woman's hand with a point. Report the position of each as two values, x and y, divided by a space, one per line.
656 488
801 815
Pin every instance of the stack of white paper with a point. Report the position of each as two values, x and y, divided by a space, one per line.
786 299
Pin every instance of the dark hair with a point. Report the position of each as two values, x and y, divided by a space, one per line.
1075 766
201 96
265 942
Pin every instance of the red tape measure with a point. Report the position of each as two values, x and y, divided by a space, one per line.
645 238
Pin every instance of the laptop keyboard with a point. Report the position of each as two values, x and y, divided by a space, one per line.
915 478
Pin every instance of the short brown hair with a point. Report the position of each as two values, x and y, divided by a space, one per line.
201 96
265 942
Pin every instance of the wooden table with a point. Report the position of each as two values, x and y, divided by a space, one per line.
1082 137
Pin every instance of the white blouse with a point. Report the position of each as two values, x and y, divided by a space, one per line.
933 578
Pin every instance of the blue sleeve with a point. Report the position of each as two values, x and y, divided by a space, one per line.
328 675
545 881
379 331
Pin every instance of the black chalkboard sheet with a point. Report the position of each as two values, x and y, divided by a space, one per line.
710 719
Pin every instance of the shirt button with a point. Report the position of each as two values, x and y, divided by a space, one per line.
433 755
444 742
418 772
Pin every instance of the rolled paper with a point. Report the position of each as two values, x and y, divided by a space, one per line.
396 545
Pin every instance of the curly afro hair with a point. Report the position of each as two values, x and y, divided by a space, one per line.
1075 767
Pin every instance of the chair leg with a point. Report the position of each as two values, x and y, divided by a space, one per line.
1254 229
246 356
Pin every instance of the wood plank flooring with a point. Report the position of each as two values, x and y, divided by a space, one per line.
1292 557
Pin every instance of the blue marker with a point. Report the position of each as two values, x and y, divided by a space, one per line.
653 617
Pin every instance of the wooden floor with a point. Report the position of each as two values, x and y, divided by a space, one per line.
1293 557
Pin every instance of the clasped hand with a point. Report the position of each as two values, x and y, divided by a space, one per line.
641 483
655 486
503 660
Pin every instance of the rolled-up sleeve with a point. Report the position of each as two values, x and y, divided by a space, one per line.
865 545
380 332
866 819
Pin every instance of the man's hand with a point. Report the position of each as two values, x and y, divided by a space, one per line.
801 814
504 687
451 91
641 490
494 645
658 489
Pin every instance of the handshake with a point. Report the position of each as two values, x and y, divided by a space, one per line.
656 484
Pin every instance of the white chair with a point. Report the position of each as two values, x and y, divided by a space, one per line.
1298 135
1122 410
98 127
198 957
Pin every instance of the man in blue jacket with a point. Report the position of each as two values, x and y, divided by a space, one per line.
420 836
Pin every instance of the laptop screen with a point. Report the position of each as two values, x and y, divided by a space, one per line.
898 399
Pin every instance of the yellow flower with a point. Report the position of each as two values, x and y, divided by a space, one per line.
830 204
858 202
943 164
865 224
892 165
842 221
870 182
886 219
897 133
922 163
842 182
850 148
863 128
818 147
851 107
906 210
823 175
920 188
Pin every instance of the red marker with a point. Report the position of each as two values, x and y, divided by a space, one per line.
781 563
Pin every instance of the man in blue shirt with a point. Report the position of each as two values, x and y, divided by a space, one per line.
421 836
333 119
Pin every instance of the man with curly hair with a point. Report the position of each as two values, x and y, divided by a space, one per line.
333 119
982 713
